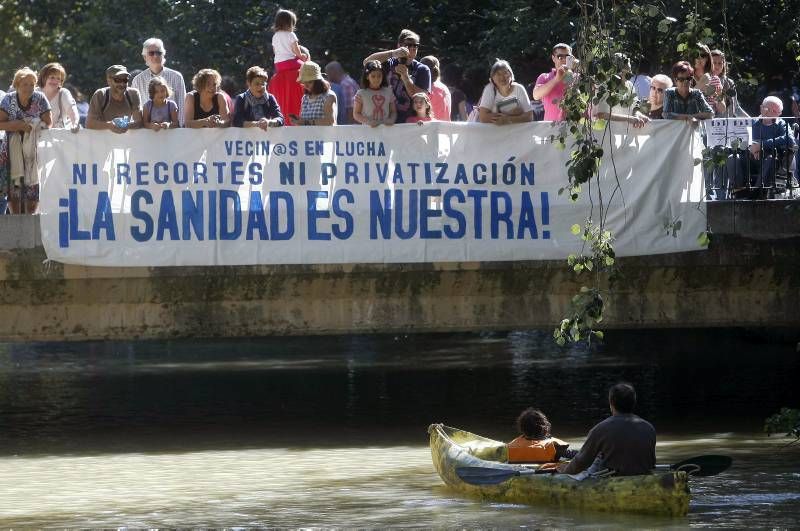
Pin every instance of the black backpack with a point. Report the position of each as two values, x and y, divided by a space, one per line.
107 99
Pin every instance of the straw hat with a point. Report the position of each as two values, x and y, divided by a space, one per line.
310 71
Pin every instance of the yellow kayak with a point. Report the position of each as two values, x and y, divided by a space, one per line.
664 493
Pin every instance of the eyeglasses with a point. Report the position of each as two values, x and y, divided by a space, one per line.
682 79
563 55
155 52
121 79
657 89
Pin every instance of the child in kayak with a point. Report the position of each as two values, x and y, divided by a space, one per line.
535 444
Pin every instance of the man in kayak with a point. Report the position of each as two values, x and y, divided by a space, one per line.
624 442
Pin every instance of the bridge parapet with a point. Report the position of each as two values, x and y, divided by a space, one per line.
749 277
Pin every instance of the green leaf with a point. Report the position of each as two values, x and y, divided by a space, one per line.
598 334
704 239
575 229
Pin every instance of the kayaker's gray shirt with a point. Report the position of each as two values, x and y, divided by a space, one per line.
626 442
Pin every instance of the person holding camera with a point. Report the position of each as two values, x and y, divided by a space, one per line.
406 75
550 86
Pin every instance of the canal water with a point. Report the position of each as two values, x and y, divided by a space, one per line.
331 431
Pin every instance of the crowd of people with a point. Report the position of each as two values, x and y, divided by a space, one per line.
395 87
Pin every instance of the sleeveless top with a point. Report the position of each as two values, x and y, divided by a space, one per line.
163 113
199 113
314 109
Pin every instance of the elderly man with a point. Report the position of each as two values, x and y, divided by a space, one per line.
407 76
154 55
550 86
349 87
116 107
624 442
771 139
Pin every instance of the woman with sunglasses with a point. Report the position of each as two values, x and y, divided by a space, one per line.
658 85
682 102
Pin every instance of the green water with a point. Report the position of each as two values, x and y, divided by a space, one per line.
331 431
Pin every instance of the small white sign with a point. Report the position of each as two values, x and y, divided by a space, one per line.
728 132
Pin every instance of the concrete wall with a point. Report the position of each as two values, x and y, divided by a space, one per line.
749 277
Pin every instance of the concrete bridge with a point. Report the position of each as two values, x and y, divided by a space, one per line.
750 276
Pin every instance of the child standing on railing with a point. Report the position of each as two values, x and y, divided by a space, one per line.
160 112
288 60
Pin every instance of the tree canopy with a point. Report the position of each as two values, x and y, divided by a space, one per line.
761 38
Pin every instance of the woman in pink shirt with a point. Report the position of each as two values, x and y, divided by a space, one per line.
440 94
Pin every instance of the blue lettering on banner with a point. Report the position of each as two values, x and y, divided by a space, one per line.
141 234
474 200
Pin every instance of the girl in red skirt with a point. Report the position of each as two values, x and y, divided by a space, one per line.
288 59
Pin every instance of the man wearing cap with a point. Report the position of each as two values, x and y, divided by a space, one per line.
116 107
154 55
406 75
550 86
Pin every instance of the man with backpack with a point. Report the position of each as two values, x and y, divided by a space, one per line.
116 107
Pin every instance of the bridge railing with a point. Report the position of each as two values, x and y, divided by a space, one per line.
732 173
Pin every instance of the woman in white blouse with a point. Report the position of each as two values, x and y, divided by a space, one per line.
504 101
63 109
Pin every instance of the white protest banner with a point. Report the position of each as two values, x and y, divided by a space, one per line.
727 132
440 192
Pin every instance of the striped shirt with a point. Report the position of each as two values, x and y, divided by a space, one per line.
173 78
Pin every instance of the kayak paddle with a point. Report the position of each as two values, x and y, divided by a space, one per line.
700 466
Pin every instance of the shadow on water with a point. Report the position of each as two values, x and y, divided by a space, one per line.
99 397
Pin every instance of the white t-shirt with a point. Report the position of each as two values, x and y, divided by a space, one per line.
515 103
282 45
63 109
602 104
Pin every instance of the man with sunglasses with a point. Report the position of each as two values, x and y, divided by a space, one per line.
550 86
154 55
406 75
116 107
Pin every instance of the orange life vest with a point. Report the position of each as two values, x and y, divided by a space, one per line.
522 450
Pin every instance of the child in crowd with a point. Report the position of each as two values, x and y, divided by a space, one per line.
160 112
421 104
535 444
288 59
374 103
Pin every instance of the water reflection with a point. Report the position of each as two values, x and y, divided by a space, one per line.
331 431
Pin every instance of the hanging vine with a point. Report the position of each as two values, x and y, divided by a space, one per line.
607 33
